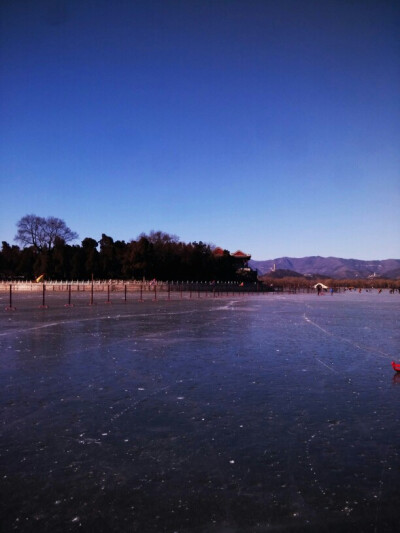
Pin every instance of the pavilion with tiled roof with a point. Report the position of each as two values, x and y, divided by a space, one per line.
218 251
240 261
241 255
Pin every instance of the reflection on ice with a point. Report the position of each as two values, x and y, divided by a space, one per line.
270 412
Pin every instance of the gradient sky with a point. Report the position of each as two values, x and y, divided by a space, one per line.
268 126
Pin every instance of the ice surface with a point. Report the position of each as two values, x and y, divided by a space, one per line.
260 413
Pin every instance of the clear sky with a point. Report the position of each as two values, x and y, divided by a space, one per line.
267 126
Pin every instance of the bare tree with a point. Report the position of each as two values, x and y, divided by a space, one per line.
57 228
159 237
41 232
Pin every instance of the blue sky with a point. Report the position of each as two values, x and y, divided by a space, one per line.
268 126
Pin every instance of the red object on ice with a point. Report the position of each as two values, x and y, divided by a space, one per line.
396 366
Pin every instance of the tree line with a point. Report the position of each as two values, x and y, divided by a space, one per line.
45 249
293 283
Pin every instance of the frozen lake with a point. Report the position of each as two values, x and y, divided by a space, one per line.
250 414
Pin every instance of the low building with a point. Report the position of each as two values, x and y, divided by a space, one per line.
321 286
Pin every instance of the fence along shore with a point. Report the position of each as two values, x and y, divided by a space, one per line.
132 286
90 292
71 293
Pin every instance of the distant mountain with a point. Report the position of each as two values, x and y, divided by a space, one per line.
333 267
280 273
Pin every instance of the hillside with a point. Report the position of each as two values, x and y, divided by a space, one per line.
283 273
334 267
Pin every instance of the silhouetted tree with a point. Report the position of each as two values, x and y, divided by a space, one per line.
26 260
60 260
90 258
139 258
41 232
9 258
108 258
